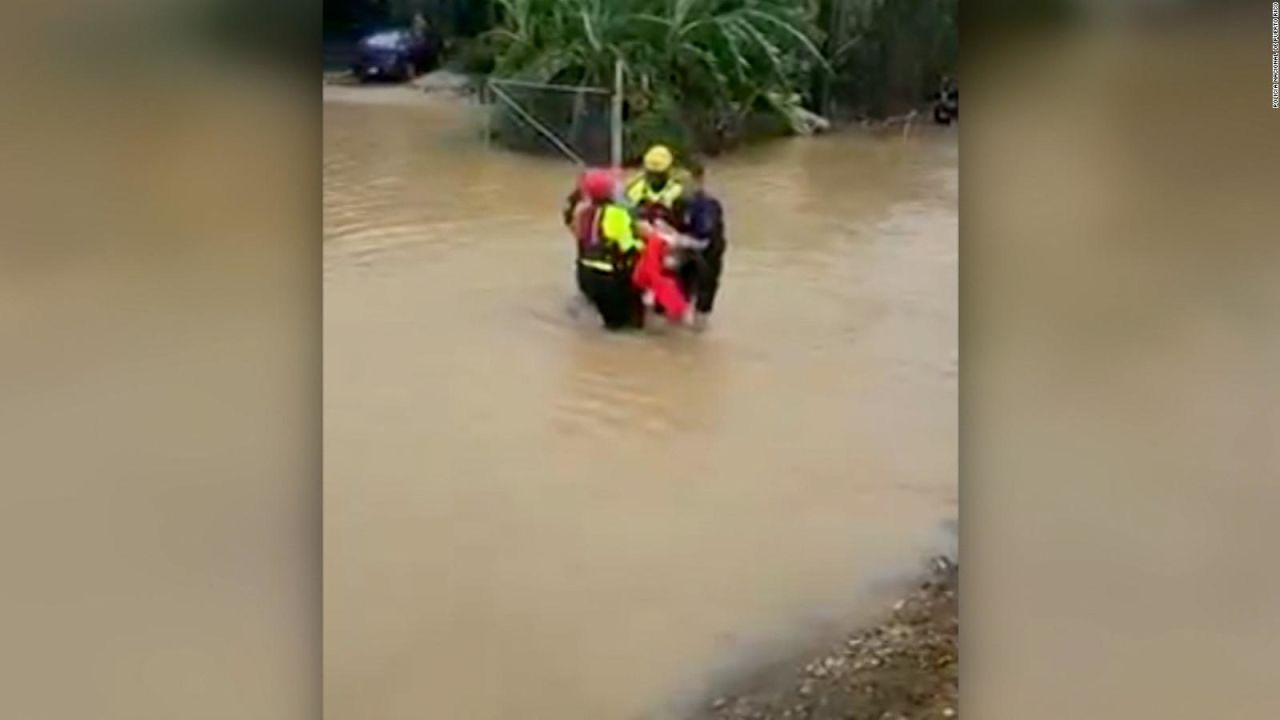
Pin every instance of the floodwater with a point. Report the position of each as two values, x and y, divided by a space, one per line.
528 518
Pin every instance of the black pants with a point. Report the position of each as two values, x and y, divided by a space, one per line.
700 277
613 296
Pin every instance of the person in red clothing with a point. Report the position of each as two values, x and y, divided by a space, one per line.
654 276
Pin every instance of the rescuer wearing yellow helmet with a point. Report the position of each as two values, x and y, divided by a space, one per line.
655 193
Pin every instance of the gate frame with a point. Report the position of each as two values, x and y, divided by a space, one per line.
494 88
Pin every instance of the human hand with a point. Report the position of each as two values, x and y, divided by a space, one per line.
688 241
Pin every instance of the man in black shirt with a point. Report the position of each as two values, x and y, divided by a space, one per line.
702 219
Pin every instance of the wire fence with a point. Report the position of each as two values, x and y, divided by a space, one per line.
580 123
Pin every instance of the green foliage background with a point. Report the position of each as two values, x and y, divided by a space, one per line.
700 74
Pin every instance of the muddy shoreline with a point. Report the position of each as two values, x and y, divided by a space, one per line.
904 667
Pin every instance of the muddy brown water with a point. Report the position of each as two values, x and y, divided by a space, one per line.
527 518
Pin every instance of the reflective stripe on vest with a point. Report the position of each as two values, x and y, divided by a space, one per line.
603 265
640 192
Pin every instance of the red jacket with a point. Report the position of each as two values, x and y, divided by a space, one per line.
651 275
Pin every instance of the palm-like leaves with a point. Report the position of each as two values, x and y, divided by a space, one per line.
706 60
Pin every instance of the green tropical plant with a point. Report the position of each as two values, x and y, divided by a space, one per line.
695 69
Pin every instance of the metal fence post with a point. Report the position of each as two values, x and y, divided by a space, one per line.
486 106
615 150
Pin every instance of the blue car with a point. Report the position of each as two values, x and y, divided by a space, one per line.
398 54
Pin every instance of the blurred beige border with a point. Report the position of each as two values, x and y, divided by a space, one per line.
1119 406
159 308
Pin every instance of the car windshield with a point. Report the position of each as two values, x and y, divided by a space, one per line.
389 40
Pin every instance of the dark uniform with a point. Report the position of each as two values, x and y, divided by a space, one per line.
702 218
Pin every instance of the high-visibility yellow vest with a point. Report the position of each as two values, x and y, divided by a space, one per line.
639 192
611 238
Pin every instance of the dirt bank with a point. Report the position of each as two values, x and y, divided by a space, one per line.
904 668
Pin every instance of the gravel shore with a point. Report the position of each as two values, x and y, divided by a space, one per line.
904 668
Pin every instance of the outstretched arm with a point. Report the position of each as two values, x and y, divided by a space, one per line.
689 242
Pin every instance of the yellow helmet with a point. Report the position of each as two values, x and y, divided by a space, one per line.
658 159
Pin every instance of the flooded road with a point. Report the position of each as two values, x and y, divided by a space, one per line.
527 518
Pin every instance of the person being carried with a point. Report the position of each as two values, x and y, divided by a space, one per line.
656 193
654 274
702 220
607 252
